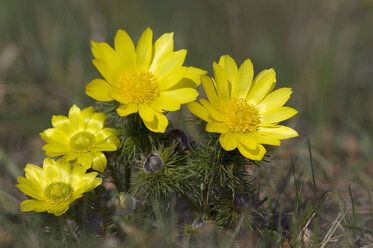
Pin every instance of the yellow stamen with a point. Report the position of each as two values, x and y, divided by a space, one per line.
241 116
139 86
58 192
82 142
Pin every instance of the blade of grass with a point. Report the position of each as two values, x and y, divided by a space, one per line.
316 226
313 173
353 210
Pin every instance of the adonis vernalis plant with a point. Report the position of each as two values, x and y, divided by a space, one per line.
149 80
243 110
55 186
146 173
81 136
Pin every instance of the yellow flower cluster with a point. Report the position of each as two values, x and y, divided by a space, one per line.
150 79
79 140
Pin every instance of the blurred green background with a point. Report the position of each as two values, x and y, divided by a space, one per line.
322 49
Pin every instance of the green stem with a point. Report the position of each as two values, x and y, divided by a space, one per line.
205 200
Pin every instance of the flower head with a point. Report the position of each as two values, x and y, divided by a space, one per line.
55 186
149 79
243 110
81 136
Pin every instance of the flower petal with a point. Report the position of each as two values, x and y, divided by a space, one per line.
195 74
33 173
221 82
99 161
71 156
146 112
216 127
127 109
163 47
85 160
34 205
107 140
95 123
63 123
163 102
172 79
107 61
125 48
245 75
118 96
55 149
183 95
75 118
212 110
51 170
228 141
278 114
174 61
210 90
275 100
77 173
99 90
59 209
263 83
254 154
55 135
247 140
278 132
87 113
159 124
30 189
144 49
265 139
199 111
87 183
230 67
104 134
107 146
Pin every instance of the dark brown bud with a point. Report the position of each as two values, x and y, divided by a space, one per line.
153 164
179 137
198 223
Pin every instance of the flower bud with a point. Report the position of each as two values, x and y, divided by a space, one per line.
198 223
179 137
153 164
123 203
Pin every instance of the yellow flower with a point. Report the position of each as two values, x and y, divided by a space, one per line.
243 110
81 136
55 186
149 79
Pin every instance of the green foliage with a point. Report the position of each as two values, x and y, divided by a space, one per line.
174 177
241 211
321 48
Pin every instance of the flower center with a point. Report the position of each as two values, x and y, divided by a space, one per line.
139 86
241 116
58 192
82 142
